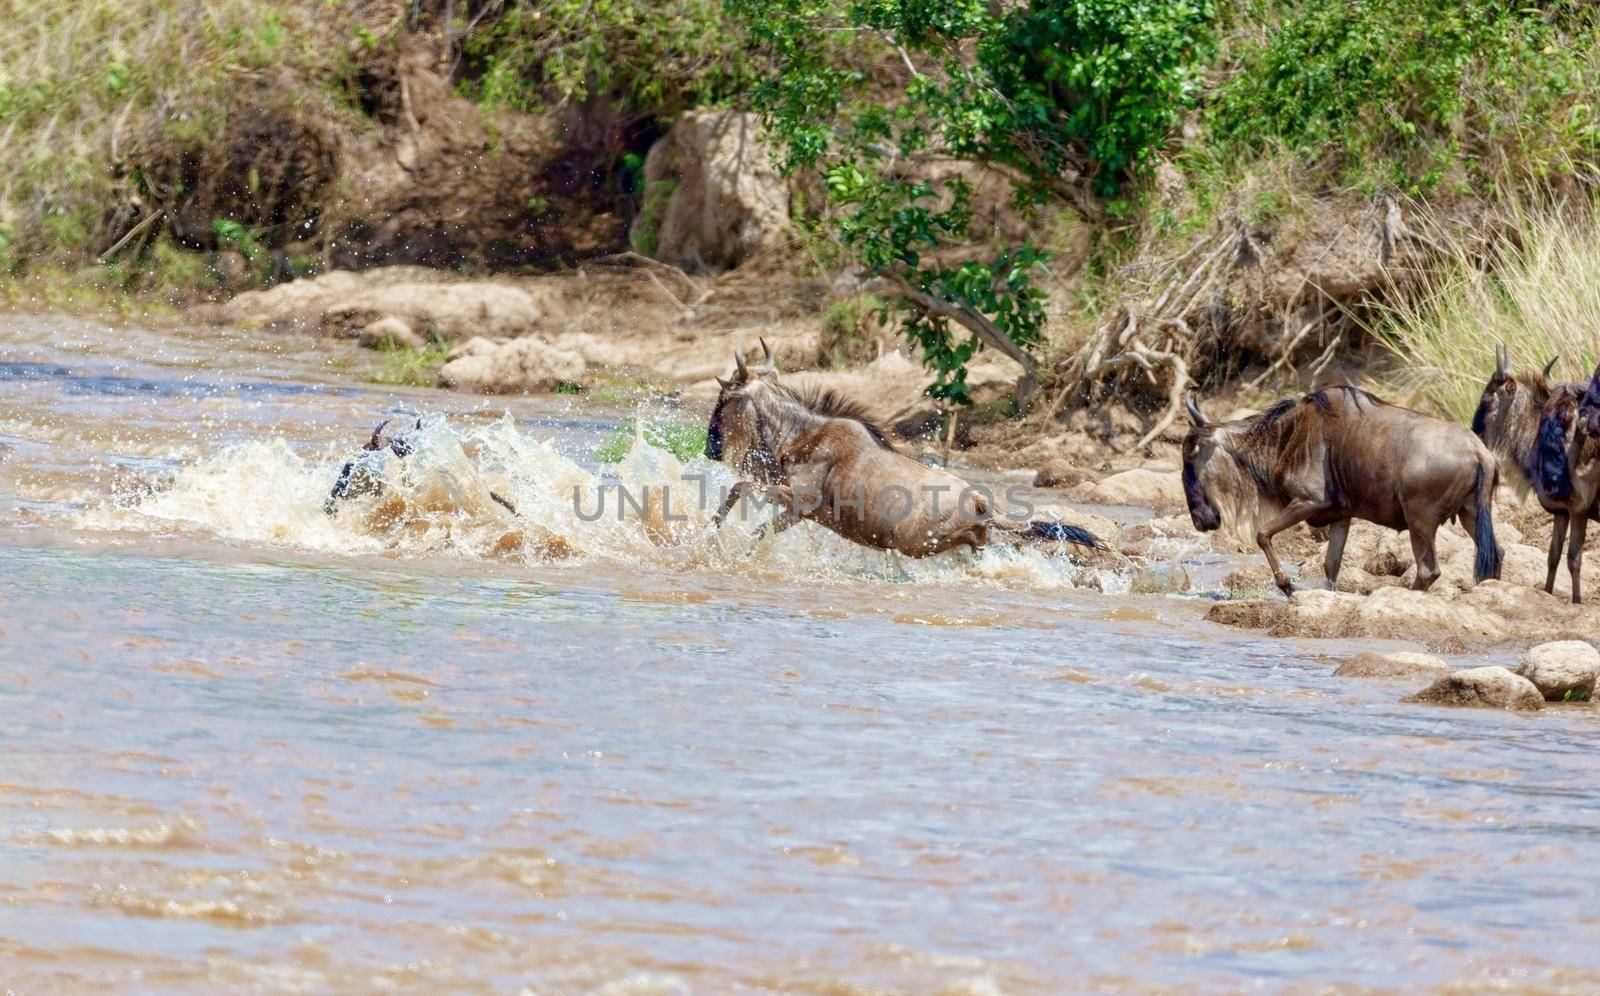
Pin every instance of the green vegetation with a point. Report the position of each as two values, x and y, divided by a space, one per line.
683 440
1412 95
646 234
655 56
1123 135
1538 298
403 366
1067 99
92 92
848 329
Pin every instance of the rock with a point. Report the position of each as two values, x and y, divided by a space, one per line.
230 268
517 366
298 305
1390 613
1150 488
1060 474
1482 687
342 303
596 352
449 310
1562 671
1251 580
390 333
712 198
1397 664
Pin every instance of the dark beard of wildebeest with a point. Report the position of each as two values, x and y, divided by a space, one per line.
821 456
1569 451
362 474
1341 454
1524 418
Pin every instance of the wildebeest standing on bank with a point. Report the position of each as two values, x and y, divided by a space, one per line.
825 459
1569 458
1512 421
1340 454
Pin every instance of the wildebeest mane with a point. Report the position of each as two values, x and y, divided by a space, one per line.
831 403
1546 463
1323 399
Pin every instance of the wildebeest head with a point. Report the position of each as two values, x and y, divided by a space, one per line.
1589 406
1199 454
733 435
1510 402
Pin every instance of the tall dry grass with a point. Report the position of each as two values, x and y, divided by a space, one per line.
83 83
1537 293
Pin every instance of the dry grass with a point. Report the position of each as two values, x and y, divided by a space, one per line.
1539 295
83 84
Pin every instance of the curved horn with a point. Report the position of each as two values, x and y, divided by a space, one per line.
1195 414
766 351
1502 360
1550 366
739 365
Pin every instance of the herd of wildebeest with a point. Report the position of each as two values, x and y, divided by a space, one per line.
1326 459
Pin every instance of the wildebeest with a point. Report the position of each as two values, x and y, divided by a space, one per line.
362 474
822 457
1568 458
1513 421
1340 454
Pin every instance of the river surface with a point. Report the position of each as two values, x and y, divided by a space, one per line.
421 744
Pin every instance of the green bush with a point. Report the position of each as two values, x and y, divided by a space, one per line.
1410 94
848 329
1067 98
658 55
646 234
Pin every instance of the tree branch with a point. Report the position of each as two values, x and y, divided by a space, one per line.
987 332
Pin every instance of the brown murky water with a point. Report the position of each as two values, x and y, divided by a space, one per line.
422 745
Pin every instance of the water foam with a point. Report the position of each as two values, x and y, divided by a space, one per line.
649 509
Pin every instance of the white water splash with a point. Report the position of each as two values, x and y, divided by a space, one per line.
650 510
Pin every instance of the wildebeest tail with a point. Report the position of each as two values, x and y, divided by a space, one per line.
1062 532
1487 564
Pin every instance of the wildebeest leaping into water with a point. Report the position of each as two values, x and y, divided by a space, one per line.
824 458
1340 454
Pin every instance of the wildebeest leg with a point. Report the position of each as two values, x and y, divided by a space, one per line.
1337 534
735 495
1297 512
1580 524
788 513
1558 536
1422 551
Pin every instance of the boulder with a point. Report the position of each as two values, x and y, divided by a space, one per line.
1150 488
1395 664
712 198
596 351
517 366
1482 687
451 311
1393 613
1060 474
390 333
298 305
1562 671
1249 581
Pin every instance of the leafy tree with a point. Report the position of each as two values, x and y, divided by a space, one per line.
1064 98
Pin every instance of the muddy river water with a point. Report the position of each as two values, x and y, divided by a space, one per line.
419 744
